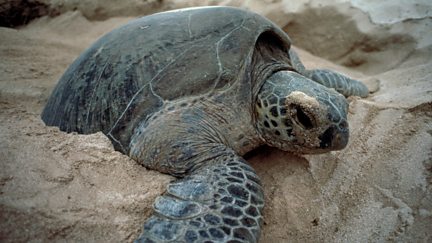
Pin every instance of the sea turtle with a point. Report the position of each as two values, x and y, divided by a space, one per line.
188 92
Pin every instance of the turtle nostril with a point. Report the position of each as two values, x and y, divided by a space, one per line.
303 119
343 125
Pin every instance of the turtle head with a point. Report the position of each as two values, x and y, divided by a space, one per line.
294 113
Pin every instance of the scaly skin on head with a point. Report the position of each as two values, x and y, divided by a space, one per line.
297 114
220 197
178 96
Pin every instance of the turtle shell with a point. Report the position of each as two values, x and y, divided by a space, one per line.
128 74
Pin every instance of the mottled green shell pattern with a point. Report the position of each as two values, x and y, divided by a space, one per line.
127 75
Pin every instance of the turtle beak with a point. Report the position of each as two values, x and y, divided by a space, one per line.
335 137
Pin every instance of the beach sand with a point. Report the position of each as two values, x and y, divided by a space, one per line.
56 186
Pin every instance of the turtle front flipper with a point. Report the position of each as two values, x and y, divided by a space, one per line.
339 82
218 202
330 79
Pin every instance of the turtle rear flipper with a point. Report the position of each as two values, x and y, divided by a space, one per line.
220 201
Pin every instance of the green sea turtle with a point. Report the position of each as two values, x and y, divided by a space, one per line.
187 93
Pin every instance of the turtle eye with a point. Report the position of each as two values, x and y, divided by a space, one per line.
302 118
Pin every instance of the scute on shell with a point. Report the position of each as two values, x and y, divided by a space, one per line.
131 72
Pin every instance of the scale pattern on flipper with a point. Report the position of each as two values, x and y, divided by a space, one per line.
177 92
219 202
339 82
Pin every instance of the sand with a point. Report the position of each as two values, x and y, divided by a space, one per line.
69 187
